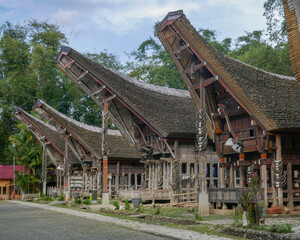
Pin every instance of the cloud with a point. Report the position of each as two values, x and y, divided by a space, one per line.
123 16
65 17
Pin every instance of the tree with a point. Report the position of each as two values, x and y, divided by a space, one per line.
211 36
152 64
276 24
27 152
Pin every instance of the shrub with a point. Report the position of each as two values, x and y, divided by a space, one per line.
78 201
157 212
250 198
139 209
61 197
87 201
127 205
46 198
116 204
197 216
281 228
237 218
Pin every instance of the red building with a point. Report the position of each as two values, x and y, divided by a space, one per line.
7 181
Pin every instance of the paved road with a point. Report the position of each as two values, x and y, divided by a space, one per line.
26 223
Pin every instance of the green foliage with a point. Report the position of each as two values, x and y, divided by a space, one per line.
157 211
276 24
46 198
237 218
250 198
127 204
139 209
27 152
198 216
211 36
61 197
281 228
78 201
253 50
87 201
116 204
152 64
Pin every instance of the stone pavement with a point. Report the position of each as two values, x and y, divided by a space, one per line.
18 222
137 226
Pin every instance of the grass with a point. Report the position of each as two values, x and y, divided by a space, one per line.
281 228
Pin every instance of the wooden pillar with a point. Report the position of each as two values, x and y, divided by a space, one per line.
278 156
44 168
85 181
290 204
274 192
123 180
129 181
264 177
135 181
142 180
168 167
150 177
117 178
188 185
105 166
67 167
105 194
164 176
109 184
222 173
231 176
202 172
242 176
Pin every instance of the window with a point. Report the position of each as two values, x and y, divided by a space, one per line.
208 170
183 168
4 190
0 190
215 170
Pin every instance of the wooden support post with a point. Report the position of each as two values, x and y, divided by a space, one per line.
177 159
142 181
278 156
123 181
231 176
85 181
290 204
44 169
67 167
117 178
150 177
105 165
263 177
274 192
129 180
109 185
105 194
57 179
135 181
242 176
188 184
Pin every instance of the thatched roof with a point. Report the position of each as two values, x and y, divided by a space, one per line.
271 99
90 137
46 133
292 16
169 112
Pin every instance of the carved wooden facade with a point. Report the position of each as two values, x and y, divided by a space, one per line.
159 121
254 115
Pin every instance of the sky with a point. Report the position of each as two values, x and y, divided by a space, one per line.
120 26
